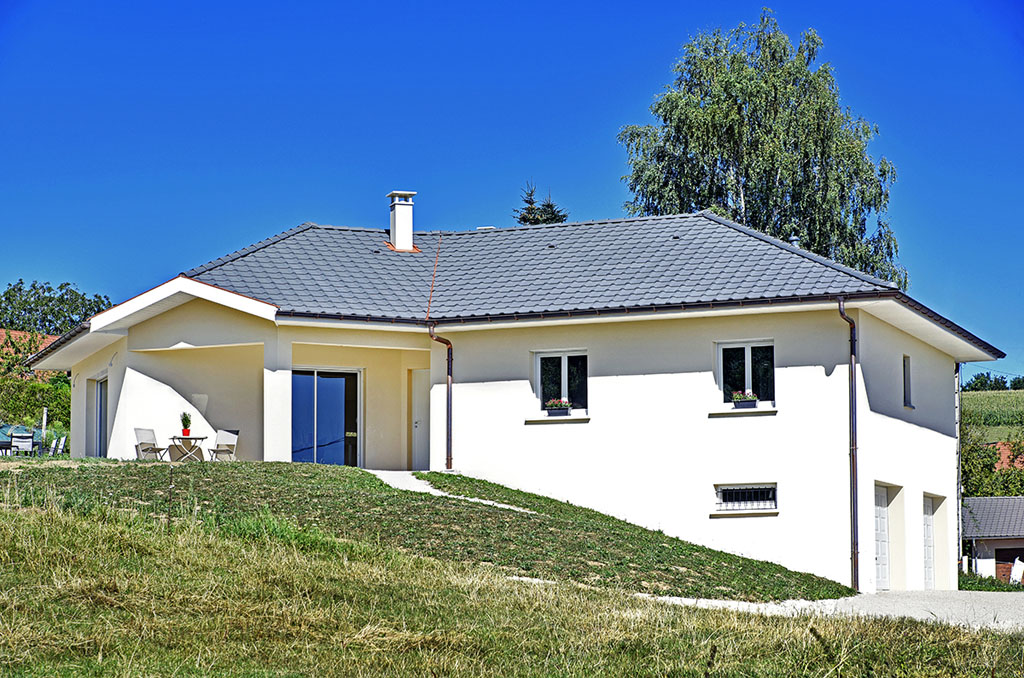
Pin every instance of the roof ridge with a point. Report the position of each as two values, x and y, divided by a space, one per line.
245 251
817 258
530 227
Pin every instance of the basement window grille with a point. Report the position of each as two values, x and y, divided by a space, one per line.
747 497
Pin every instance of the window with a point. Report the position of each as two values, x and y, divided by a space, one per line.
907 402
563 375
747 367
746 497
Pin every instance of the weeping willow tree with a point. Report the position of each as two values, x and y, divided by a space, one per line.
753 128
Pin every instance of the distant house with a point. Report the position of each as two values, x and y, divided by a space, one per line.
994 529
1006 457
395 349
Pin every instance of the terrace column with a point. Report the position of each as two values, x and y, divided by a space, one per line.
277 399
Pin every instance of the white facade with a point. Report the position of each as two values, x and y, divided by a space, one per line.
657 438
653 445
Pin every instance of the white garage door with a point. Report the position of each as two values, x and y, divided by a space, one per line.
929 543
881 538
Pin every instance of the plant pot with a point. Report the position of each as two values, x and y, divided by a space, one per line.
560 412
185 432
744 404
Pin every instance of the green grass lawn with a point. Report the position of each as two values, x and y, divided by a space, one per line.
560 542
112 593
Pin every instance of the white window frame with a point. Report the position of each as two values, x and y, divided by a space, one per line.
564 355
747 363
748 506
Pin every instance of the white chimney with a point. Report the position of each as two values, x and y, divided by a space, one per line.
401 220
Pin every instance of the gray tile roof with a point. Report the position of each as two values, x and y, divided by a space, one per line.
993 517
610 265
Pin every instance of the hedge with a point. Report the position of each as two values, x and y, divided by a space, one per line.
20 399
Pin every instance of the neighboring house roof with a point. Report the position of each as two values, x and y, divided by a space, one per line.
586 266
989 517
18 335
1005 453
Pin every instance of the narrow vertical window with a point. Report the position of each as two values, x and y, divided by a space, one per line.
907 401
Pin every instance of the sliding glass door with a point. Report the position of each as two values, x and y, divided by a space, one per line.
325 425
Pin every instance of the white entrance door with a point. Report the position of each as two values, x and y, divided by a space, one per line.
929 543
882 538
420 420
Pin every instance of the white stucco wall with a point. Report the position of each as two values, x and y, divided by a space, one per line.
651 454
913 451
232 370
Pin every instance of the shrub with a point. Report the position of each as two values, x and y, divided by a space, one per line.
975 582
21 400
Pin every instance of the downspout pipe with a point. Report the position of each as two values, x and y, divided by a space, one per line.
448 407
854 533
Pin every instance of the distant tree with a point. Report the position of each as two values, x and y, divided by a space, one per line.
977 459
753 126
978 474
40 307
1017 384
550 213
531 214
986 381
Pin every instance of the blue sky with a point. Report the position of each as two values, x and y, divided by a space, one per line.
140 139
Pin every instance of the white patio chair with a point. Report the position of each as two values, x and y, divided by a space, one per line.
21 443
145 445
224 446
60 445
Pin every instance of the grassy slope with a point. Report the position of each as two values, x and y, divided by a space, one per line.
560 542
1001 411
628 552
107 594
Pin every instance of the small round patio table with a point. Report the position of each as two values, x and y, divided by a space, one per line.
190 447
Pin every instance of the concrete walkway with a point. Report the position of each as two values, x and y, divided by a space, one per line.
405 480
992 610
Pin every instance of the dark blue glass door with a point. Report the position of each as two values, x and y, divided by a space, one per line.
325 427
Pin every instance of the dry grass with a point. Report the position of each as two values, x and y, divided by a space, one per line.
114 595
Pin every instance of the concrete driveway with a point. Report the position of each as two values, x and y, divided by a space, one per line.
971 609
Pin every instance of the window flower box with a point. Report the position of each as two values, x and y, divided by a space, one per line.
744 400
557 407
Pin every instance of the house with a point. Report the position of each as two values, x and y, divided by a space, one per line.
1009 457
395 349
994 528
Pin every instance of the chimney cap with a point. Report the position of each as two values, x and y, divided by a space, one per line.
401 194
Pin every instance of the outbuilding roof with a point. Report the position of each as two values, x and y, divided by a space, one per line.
989 517
585 266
